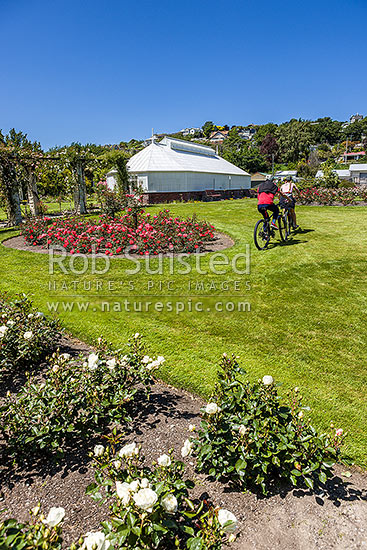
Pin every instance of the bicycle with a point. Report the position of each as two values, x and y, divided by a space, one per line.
263 231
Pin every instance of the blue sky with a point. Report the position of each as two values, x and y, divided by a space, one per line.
104 72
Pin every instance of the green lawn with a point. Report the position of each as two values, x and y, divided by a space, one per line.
307 324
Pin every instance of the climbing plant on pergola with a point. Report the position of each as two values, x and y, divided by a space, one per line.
21 160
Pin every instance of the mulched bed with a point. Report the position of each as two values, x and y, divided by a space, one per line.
289 519
220 242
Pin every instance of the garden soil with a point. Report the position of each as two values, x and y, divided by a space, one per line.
289 519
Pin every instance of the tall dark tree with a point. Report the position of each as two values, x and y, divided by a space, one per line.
269 148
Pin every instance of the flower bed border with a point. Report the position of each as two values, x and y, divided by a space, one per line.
222 241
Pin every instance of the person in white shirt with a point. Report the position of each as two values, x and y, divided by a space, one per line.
287 189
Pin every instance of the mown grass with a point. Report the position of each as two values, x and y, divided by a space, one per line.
307 325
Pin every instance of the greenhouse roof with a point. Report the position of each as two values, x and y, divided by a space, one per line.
175 155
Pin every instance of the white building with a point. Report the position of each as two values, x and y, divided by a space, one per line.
181 169
191 131
358 173
282 174
342 174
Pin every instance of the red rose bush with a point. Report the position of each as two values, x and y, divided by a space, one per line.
161 233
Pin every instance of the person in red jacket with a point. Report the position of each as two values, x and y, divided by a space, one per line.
265 199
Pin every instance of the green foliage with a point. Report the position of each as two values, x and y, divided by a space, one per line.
37 534
330 179
294 139
252 438
26 335
76 399
151 506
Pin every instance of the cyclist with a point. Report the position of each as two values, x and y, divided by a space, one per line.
287 190
265 199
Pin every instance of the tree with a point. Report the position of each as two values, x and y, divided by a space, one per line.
269 148
263 131
294 139
208 128
326 130
330 178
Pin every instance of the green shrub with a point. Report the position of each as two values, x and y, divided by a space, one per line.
151 506
250 437
76 399
26 335
40 533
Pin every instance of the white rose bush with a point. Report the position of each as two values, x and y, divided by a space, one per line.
39 533
251 438
27 337
79 398
151 506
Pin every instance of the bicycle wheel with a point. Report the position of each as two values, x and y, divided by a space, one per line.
282 229
288 224
261 235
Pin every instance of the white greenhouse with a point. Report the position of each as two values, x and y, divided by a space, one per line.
179 169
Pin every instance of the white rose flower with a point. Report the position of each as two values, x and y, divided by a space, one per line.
300 414
136 335
3 330
30 316
55 516
55 368
146 359
134 486
28 335
117 464
93 361
170 504
186 449
144 484
145 499
164 460
212 408
129 450
192 427
224 516
95 541
65 356
160 359
98 450
267 380
40 314
111 363
242 430
123 492
10 323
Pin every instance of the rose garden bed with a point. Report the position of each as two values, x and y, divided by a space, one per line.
140 234
334 517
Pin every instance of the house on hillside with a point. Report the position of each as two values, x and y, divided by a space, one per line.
191 132
218 136
174 169
342 174
347 157
358 173
282 174
247 133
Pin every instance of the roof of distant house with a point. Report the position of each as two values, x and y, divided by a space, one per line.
224 132
362 153
358 167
